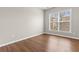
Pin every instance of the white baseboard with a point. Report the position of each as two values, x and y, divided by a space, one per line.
34 36
18 40
63 36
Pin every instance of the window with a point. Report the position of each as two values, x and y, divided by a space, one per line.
60 21
54 22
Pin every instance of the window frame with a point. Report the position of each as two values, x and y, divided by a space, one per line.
50 15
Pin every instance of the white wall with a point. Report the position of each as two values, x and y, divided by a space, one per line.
74 21
18 23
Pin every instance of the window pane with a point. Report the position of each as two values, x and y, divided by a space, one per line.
54 17
65 19
54 26
64 26
54 22
65 16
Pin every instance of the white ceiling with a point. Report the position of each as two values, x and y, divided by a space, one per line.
45 8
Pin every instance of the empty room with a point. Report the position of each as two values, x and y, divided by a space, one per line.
39 29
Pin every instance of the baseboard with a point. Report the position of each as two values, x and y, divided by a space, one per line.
19 40
63 36
34 36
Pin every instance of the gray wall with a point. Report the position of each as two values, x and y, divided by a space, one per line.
18 23
74 21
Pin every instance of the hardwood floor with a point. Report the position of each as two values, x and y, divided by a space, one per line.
43 43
